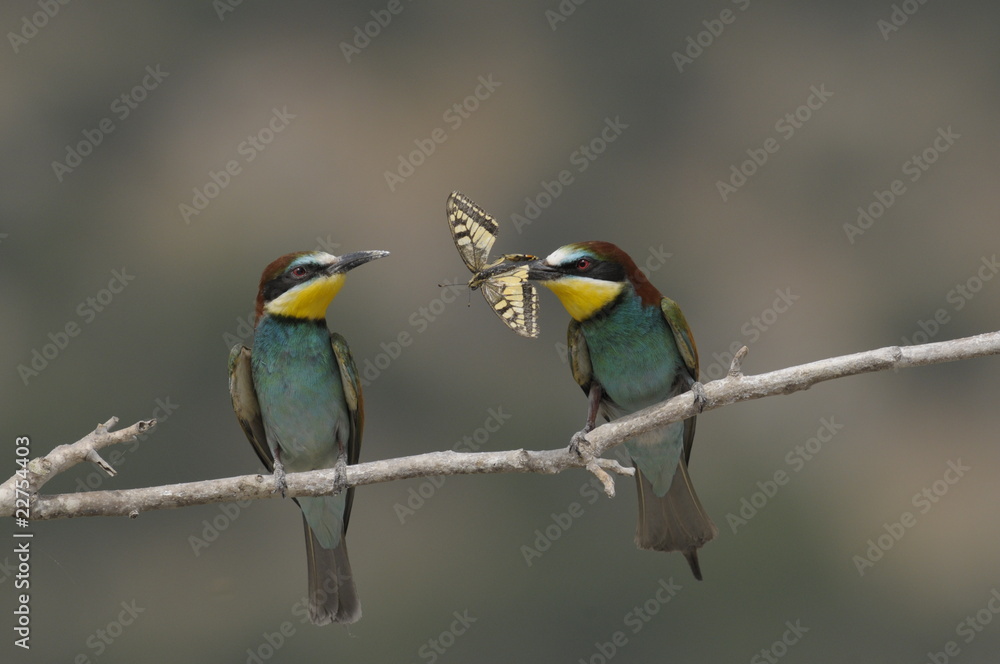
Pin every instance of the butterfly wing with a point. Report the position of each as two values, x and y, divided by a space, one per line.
472 229
504 283
514 299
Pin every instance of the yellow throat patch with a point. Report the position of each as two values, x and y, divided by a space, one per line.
582 296
309 300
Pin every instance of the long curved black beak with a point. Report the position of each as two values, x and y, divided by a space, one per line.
348 262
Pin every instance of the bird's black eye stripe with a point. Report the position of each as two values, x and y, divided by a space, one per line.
595 269
289 280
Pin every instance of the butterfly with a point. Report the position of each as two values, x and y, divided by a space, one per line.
504 282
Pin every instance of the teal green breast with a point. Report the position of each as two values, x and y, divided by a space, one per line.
302 404
635 358
633 354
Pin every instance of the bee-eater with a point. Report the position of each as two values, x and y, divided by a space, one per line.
629 348
297 395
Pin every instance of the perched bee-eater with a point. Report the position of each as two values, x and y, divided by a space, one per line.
297 396
629 348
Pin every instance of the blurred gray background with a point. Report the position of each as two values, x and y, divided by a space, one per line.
202 84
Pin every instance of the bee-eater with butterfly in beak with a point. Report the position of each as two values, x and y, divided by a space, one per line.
629 348
297 395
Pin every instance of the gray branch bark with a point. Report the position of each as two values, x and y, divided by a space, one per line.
735 387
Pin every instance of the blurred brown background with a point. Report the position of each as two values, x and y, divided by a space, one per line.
210 80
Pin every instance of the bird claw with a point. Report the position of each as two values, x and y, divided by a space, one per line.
700 398
579 445
280 483
339 476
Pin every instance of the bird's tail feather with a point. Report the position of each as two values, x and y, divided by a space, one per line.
674 522
332 595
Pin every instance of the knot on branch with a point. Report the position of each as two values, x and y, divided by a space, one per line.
256 487
897 354
581 452
599 466
40 466
104 429
95 458
736 368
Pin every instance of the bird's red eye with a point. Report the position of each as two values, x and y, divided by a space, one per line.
583 264
299 272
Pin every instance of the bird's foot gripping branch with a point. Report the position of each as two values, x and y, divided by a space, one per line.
734 388
327 481
20 498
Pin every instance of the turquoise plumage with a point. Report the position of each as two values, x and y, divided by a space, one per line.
630 348
297 395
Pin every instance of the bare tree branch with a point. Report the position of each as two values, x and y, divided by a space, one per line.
733 388
736 387
43 469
